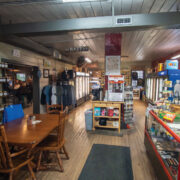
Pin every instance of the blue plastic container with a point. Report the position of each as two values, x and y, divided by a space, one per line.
89 119
12 112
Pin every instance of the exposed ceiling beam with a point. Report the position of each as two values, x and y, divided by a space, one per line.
29 44
139 21
25 2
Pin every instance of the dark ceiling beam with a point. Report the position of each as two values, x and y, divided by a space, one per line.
139 21
27 44
31 45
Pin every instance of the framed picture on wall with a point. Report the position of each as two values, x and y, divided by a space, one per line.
45 73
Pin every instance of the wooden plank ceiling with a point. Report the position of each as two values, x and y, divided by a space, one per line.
137 45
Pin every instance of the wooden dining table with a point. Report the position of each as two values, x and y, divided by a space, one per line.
24 132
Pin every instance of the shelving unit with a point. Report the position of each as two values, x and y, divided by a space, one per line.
162 147
136 94
112 122
128 105
127 76
3 93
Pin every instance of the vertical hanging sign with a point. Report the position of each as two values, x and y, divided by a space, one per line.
112 53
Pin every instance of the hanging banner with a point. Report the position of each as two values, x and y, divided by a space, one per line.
113 53
113 44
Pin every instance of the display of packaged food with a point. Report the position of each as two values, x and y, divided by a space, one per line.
169 117
97 111
110 112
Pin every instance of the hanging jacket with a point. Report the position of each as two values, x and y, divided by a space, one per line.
59 92
46 95
53 95
43 97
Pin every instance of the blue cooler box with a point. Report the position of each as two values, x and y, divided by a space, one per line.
89 119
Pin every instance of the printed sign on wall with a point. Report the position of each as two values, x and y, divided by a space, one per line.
113 65
16 52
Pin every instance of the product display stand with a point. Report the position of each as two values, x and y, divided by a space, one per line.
107 114
162 146
128 105
127 76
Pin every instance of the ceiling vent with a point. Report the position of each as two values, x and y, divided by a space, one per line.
124 20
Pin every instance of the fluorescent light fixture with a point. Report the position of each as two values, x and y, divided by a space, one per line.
88 60
175 57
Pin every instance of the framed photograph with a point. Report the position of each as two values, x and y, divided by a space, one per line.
45 73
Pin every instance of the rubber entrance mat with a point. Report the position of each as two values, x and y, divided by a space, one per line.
107 162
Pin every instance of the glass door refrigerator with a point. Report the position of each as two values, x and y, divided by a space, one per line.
154 87
82 87
173 76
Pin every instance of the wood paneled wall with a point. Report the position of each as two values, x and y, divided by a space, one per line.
141 65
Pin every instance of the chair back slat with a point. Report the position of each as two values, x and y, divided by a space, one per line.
54 109
5 155
61 127
3 162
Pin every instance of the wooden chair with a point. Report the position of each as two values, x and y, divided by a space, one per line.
10 162
54 143
54 109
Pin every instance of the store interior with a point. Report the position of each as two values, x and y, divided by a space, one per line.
95 81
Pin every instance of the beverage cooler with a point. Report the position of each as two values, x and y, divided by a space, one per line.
163 81
154 87
173 77
82 87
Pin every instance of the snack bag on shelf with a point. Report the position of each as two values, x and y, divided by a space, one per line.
97 111
110 112
103 112
116 112
169 117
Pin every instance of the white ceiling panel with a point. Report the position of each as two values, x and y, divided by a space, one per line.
136 6
147 5
126 6
158 4
137 45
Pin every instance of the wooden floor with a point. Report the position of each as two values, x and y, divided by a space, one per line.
79 144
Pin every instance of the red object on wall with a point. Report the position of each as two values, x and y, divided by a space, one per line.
112 48
113 44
